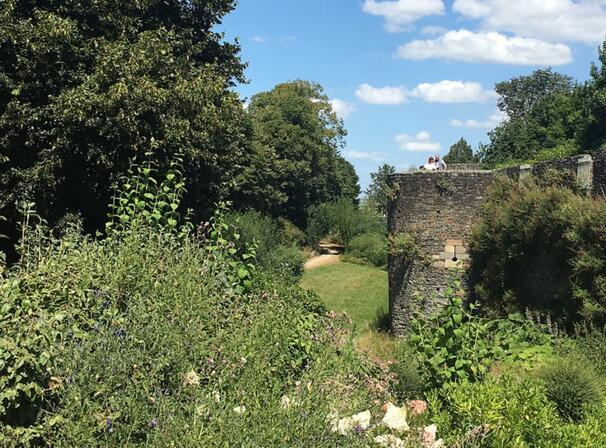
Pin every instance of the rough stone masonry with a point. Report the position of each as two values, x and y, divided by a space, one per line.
440 208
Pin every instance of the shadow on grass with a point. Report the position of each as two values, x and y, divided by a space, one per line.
380 323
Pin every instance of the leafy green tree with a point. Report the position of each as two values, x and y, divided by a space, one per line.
86 86
380 191
460 152
541 119
518 96
592 95
297 139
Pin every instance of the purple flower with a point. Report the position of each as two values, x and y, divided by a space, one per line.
108 424
153 424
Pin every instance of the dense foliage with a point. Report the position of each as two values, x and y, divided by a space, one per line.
460 152
548 115
541 246
380 191
297 164
86 86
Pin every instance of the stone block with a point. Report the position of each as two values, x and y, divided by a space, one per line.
438 264
435 257
447 255
449 264
450 249
454 242
462 257
460 250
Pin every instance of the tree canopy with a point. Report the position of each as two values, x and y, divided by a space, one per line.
297 139
380 191
87 86
460 152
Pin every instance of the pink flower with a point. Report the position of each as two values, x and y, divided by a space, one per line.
429 435
417 407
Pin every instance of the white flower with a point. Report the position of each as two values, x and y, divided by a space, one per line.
191 378
395 418
285 402
358 422
389 441
240 409
429 437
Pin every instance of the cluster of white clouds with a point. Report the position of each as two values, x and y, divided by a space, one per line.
492 47
445 91
517 32
418 143
401 14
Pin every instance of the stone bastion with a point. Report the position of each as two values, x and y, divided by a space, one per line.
439 209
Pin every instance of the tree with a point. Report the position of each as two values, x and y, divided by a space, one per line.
86 86
460 152
380 191
297 137
518 96
541 117
591 135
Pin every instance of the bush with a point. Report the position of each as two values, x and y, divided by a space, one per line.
341 221
495 413
573 386
287 262
541 246
409 384
370 247
128 342
456 345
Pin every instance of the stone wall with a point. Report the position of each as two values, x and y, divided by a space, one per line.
439 208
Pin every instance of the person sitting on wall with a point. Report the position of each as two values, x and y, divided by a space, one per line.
430 165
439 163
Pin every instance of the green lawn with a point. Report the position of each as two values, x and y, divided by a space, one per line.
361 291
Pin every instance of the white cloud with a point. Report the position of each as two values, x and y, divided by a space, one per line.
381 95
288 40
452 92
490 47
433 30
568 20
342 108
419 143
373 156
400 14
492 122
258 39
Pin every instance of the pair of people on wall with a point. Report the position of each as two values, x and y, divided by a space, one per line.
434 164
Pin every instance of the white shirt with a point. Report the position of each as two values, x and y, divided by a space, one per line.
430 166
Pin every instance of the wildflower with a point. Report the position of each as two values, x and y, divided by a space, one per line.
417 407
285 402
243 361
240 410
389 441
395 418
429 437
108 424
356 423
153 424
191 378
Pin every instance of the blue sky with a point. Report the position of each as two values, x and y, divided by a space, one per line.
410 77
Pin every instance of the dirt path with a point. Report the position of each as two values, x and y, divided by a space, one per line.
322 260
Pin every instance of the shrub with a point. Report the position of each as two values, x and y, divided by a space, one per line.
341 221
502 412
541 246
370 247
455 345
409 384
572 385
287 262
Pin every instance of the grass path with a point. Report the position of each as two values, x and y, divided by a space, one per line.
361 291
